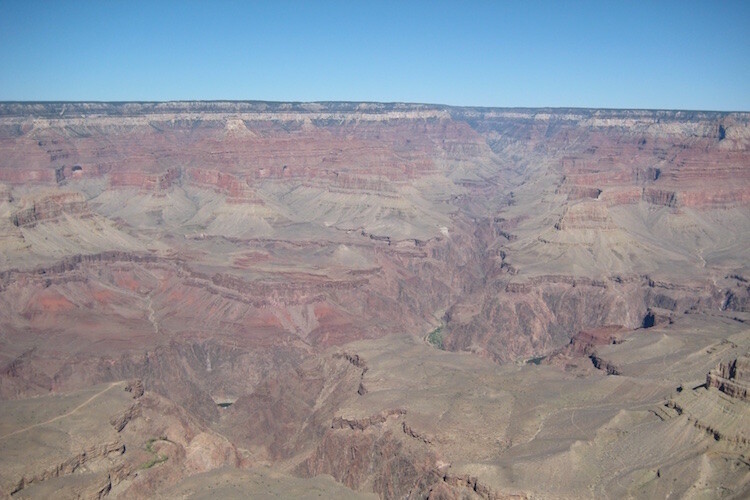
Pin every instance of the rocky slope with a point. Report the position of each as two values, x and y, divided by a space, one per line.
250 262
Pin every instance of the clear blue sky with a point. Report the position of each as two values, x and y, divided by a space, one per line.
634 54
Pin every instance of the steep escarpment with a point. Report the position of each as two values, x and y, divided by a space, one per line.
49 207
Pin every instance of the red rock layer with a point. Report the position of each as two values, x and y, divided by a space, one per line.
50 207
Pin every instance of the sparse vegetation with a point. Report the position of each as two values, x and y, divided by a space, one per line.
157 458
435 337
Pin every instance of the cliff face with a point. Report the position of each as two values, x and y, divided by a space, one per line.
49 207
289 216
217 250
732 378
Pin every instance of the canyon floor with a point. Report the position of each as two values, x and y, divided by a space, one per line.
342 300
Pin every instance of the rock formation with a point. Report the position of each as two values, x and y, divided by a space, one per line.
416 300
732 378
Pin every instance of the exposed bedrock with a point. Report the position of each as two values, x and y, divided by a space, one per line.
379 456
183 372
732 378
290 411
252 264
69 466
526 319
49 207
155 183
110 443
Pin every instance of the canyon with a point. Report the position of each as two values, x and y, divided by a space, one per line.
235 299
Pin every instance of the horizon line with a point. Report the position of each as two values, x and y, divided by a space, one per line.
405 103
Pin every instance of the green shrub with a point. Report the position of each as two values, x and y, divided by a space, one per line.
156 459
435 337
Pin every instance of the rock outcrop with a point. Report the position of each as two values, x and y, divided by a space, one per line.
732 378
49 207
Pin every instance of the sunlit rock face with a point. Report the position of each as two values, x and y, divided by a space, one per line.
261 269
